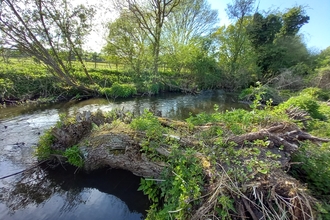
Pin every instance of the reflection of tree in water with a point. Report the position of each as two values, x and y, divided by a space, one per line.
36 187
40 185
72 198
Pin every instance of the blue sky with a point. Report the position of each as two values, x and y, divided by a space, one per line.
316 32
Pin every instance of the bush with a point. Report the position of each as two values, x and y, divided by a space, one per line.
119 90
149 123
313 167
305 101
266 93
43 150
323 79
74 156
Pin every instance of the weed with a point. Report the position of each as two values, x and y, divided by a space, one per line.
74 156
148 123
43 150
181 188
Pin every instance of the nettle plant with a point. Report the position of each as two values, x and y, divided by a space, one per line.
180 188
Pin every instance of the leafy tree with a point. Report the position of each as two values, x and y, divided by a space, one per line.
236 57
49 30
126 42
150 15
275 40
323 59
190 20
293 20
238 11
238 67
183 30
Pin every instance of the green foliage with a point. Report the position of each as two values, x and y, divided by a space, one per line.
26 81
43 150
149 123
236 57
293 19
317 93
305 101
323 59
260 94
182 186
313 167
275 40
119 90
225 205
151 189
5 85
74 156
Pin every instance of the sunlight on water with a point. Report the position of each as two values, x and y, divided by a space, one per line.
68 196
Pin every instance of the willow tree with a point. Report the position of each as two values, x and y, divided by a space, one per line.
52 31
238 12
150 16
127 43
185 32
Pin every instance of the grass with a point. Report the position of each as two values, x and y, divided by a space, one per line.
23 79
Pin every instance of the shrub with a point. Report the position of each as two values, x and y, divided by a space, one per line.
263 92
119 90
305 101
43 149
313 167
181 188
149 123
74 156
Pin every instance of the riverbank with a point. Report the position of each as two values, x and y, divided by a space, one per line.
22 126
217 164
23 82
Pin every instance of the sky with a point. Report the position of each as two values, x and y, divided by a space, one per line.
316 32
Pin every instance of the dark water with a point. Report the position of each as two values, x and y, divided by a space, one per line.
66 194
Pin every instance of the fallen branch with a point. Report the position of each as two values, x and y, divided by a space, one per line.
23 171
281 134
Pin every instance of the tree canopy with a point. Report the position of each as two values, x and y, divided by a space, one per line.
52 31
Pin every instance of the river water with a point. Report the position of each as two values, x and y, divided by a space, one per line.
66 193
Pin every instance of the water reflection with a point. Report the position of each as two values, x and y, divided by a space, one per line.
60 194
171 105
105 195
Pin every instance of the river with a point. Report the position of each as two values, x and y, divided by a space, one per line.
66 193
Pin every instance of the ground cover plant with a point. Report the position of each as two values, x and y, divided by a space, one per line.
237 164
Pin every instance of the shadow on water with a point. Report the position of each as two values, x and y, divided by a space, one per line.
59 194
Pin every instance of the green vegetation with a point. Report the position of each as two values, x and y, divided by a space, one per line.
119 90
181 190
183 50
214 165
213 162
43 151
245 164
74 157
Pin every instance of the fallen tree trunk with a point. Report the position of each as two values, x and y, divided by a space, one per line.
119 151
120 146
113 143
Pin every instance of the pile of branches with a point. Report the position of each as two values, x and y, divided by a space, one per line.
275 195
